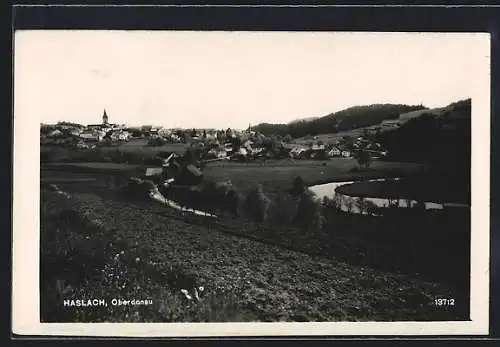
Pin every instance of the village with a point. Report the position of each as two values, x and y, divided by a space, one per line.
231 144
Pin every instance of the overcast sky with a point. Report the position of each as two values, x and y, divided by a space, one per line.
231 79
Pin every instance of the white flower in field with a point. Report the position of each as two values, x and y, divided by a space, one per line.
122 252
196 295
201 288
186 294
137 259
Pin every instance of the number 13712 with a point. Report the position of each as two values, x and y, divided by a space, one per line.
444 302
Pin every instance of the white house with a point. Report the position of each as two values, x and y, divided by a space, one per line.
221 154
76 132
335 152
164 132
243 151
55 133
120 136
296 151
346 153
316 147
95 135
228 147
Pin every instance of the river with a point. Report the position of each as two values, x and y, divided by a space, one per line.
348 203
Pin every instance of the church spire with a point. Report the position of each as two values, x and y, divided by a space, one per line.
104 117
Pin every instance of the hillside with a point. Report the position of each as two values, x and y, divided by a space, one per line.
440 135
441 138
345 120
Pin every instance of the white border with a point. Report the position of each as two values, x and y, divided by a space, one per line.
25 280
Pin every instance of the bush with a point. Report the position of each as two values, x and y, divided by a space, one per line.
137 188
299 186
257 204
156 142
233 201
308 211
220 195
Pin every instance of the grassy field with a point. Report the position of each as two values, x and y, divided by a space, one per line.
133 150
140 146
274 175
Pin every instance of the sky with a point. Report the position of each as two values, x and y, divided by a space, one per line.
233 79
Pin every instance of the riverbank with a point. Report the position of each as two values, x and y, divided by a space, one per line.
437 191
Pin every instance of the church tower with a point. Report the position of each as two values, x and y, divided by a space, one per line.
105 118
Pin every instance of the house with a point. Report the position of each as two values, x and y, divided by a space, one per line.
120 136
82 145
375 150
242 151
153 171
94 135
346 153
217 153
55 133
316 147
335 152
297 151
154 131
228 147
76 131
340 151
164 132
390 124
248 143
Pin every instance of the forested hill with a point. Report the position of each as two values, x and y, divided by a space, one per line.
348 119
440 137
436 135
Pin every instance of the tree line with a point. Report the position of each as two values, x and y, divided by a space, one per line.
345 120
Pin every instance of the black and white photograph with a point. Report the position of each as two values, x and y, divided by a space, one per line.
253 177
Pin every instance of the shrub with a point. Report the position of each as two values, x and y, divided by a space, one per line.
329 203
257 204
281 207
156 142
137 188
298 186
308 211
233 201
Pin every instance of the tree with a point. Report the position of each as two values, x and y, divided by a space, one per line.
361 204
299 186
363 158
136 133
349 203
309 212
287 138
257 204
236 143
